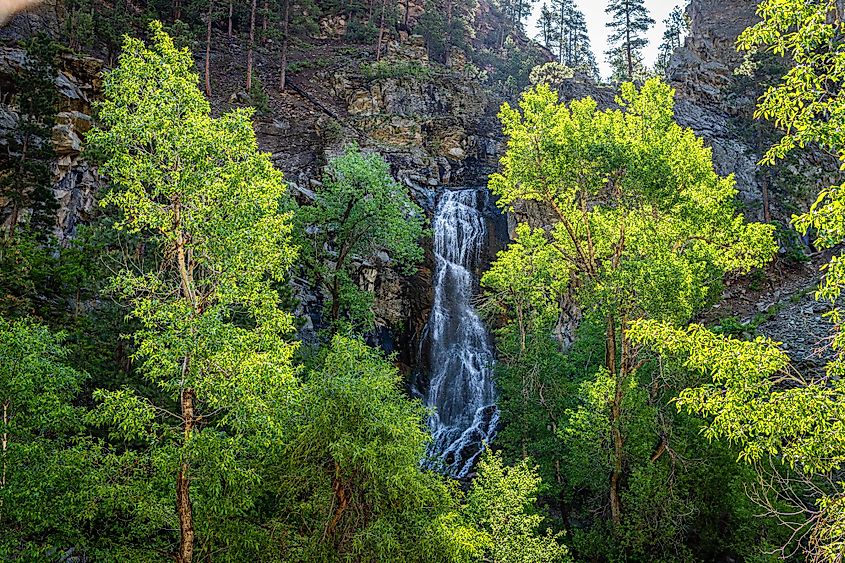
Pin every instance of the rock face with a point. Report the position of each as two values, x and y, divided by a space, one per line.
718 104
74 181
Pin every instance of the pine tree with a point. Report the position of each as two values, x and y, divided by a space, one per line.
545 23
630 21
564 32
676 26
25 180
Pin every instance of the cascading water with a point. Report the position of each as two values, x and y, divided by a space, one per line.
461 354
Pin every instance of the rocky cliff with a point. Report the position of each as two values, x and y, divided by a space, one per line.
436 125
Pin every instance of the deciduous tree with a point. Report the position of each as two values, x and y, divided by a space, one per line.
644 228
359 212
212 339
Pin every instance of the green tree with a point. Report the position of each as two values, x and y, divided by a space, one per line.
359 212
630 21
43 451
25 178
644 228
783 422
676 27
449 23
349 477
36 393
565 32
501 504
753 396
212 341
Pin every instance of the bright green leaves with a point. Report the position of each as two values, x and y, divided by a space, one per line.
37 388
500 504
638 208
625 219
807 104
213 344
755 400
359 213
526 278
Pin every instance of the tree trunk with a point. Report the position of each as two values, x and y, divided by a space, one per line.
615 421
562 34
266 10
183 484
628 49
231 9
5 440
381 30
177 10
208 50
285 27
251 47
448 38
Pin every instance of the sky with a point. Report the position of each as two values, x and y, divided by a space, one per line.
597 20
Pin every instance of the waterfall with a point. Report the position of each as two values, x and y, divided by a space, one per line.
461 354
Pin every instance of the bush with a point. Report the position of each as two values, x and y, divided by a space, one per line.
258 96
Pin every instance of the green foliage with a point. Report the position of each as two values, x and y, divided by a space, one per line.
446 24
745 404
258 97
629 23
676 26
500 504
664 202
37 390
359 212
317 63
351 466
212 340
565 34
25 177
642 228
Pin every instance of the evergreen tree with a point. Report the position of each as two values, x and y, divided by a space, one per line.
446 24
676 27
630 21
211 344
564 32
25 178
546 25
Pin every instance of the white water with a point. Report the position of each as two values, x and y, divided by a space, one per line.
461 355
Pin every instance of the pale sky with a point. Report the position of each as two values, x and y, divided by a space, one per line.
597 18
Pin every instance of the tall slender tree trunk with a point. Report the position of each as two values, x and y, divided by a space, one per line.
562 34
208 49
628 49
448 39
184 506
266 9
231 10
284 62
5 440
249 53
615 421
381 30
407 12
177 10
